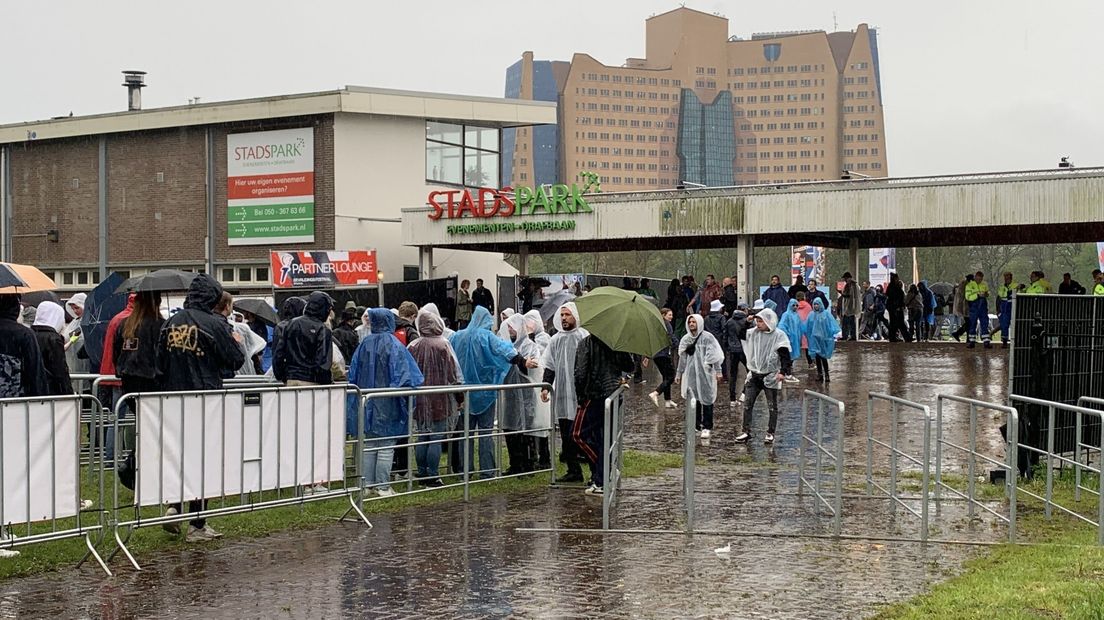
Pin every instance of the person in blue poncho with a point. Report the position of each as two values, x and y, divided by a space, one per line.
821 331
794 328
381 361
485 359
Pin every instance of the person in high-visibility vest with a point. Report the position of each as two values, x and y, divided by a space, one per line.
977 299
1004 295
1039 284
1098 287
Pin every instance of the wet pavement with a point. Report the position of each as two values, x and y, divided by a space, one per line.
481 559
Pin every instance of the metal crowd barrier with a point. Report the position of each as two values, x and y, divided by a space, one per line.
1052 456
689 460
41 474
822 452
613 445
895 453
1087 402
1009 465
465 439
237 443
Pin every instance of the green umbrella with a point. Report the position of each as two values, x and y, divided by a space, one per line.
624 320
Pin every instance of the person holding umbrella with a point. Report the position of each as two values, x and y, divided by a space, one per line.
701 359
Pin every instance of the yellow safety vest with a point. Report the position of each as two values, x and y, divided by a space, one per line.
975 289
1098 290
1005 290
1039 287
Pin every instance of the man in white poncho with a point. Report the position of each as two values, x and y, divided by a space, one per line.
701 360
558 361
768 361
543 417
519 406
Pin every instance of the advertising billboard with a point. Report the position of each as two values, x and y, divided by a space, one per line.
883 261
270 187
807 261
321 270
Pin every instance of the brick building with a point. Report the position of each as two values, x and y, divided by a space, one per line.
143 189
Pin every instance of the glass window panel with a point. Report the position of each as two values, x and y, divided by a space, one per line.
82 277
481 138
245 274
481 169
228 274
444 132
262 274
67 277
443 163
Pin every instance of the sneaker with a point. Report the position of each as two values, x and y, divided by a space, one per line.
743 398
572 476
971 344
593 489
8 553
172 528
791 379
204 534
86 504
671 405
769 438
316 489
655 398
732 403
386 492
743 438
432 482
705 433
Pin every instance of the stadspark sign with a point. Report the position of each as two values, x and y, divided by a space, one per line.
486 203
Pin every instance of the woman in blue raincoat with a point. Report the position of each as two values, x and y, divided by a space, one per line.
791 324
821 331
381 361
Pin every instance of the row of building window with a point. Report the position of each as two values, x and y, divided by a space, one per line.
864 123
783 140
859 152
642 181
606 107
858 94
775 84
782 126
862 79
614 150
616 137
860 137
776 69
628 79
778 98
862 109
780 154
777 112
628 94
623 122
862 166
82 279
789 168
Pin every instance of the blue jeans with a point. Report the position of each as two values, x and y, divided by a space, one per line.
376 464
428 455
1005 318
979 321
481 425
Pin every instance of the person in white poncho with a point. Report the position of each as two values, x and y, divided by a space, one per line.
519 406
768 361
701 360
558 362
543 415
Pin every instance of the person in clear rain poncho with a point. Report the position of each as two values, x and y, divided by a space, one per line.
431 308
433 415
543 418
794 327
701 359
519 407
558 363
381 361
769 360
822 330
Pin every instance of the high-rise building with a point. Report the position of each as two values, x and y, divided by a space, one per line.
708 108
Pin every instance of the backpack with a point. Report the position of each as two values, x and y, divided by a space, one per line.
400 333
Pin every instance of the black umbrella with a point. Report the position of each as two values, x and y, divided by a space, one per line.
8 277
160 280
37 297
101 305
259 308
539 281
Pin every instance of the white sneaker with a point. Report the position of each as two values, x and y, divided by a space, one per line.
593 489
8 553
742 438
743 397
705 433
172 528
204 534
386 492
316 489
86 504
654 397
769 438
671 405
791 379
731 403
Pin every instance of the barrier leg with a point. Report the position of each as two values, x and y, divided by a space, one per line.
92 552
837 525
121 546
801 446
689 464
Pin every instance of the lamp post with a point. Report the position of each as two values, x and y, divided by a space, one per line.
379 286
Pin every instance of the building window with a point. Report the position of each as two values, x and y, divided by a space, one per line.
228 274
462 154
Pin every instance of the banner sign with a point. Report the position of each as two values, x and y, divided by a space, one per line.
552 201
315 270
270 187
1100 254
883 261
39 448
807 261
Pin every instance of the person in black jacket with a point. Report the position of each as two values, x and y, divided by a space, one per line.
136 345
345 334
21 372
735 329
715 324
895 304
664 363
482 297
195 349
303 351
48 323
598 370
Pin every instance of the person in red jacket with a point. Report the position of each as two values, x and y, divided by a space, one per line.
113 389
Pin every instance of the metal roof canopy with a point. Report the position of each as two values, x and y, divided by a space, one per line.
1034 207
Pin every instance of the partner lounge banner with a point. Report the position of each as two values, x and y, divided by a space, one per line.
323 270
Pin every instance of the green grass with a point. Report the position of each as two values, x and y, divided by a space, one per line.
1061 578
147 542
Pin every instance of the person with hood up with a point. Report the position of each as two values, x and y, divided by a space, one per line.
381 361
345 335
793 326
664 363
195 350
927 321
435 414
519 409
822 330
543 419
485 359
364 328
804 309
914 304
21 370
769 361
776 293
715 324
700 361
48 324
292 307
303 349
432 309
734 350
598 370
73 335
558 362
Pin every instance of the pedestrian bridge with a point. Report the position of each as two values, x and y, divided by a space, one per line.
1042 206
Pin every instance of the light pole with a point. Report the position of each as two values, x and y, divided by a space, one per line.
379 285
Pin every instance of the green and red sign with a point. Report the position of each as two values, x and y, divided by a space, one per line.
484 203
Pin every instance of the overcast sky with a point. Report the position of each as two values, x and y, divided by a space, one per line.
968 85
